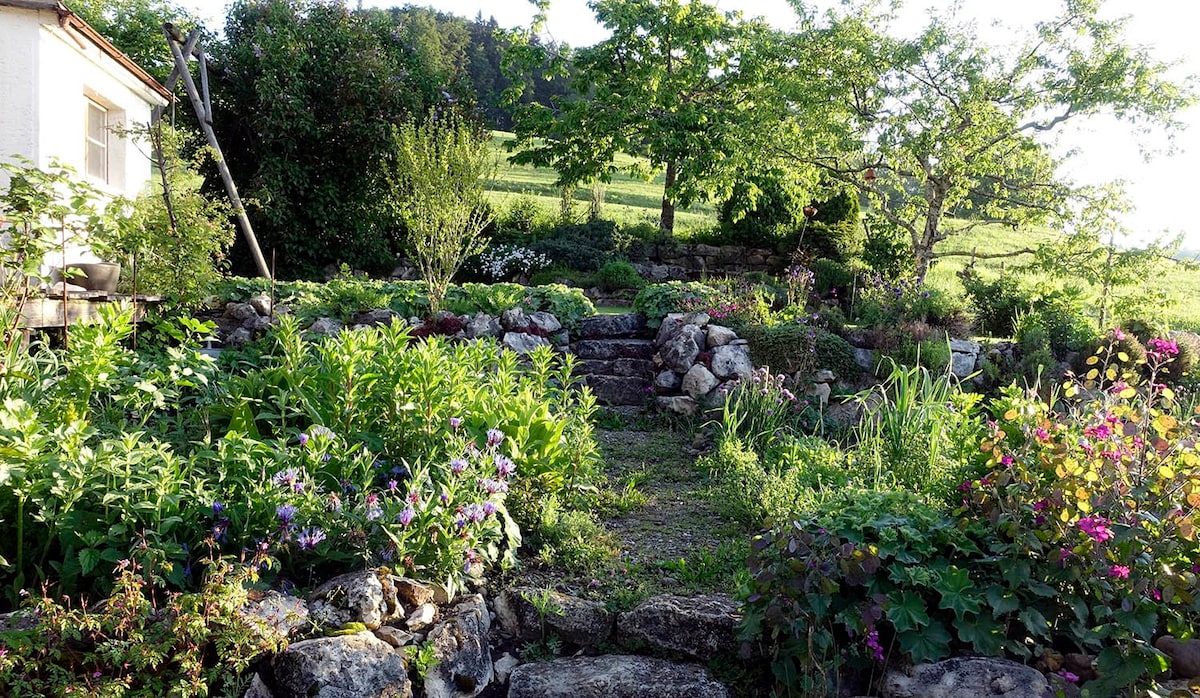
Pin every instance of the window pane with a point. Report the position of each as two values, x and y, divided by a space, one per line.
97 142
96 123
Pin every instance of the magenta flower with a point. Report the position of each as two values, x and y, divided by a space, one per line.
1097 527
1162 348
1119 571
1042 434
1067 676
872 643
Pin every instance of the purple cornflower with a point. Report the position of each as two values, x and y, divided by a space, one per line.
321 431
405 517
289 478
494 437
374 511
310 538
303 439
392 486
455 422
444 499
286 514
504 465
474 513
457 466
217 508
493 486
333 502
489 508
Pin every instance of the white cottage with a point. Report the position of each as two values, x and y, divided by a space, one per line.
63 88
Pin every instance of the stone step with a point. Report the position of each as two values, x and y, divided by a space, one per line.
627 325
613 676
635 368
610 349
619 390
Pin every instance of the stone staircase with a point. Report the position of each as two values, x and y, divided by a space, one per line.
616 357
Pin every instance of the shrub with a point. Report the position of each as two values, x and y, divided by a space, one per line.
523 215
507 262
887 250
834 353
786 347
831 278
765 219
656 301
835 230
618 275
996 304
583 246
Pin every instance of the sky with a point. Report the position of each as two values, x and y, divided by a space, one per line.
1104 150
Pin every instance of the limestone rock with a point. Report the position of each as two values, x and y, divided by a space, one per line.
256 323
239 337
356 597
680 352
732 361
819 392
350 666
1185 656
824 376
719 336
414 593
379 316
613 676
697 318
240 311
667 380
394 636
545 322
967 677
504 667
962 365
701 627
261 303
609 349
681 405
258 689
284 614
964 346
325 326
865 358
619 390
578 621
482 325
668 329
699 381
523 343
514 319
626 325
421 617
464 665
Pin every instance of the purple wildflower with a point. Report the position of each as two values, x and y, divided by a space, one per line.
286 514
494 437
504 465
405 517
455 422
872 643
310 538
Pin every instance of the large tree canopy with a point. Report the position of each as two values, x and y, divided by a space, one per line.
942 124
678 82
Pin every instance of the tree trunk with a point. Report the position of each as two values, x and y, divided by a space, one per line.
667 220
923 246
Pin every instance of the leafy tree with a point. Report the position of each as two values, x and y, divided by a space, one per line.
135 27
678 82
436 175
942 125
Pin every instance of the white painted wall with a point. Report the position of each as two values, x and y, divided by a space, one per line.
47 74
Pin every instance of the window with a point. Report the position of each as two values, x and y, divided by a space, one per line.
96 149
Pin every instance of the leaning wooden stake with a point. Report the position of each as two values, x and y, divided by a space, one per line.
206 126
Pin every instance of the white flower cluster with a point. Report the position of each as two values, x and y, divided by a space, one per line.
503 262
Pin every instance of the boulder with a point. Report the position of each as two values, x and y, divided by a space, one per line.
668 329
256 323
967 677
325 326
697 318
667 380
258 688
261 303
421 617
962 365
283 614
239 337
356 597
732 361
482 325
378 316
699 381
464 665
641 368
865 358
545 322
613 676
240 311
819 392
349 666
523 343
681 405
964 346
824 376
719 336
612 326
680 352
1184 654
581 622
504 666
702 627
394 636
514 319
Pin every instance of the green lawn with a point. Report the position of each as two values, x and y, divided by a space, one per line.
626 198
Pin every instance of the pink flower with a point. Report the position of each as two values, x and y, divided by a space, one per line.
1118 334
1006 461
1161 348
1097 527
1119 571
1067 676
1042 434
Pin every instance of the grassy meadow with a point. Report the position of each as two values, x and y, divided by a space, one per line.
629 199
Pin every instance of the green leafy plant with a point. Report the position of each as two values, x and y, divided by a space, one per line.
618 275
657 300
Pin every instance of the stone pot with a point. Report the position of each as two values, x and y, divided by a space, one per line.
94 276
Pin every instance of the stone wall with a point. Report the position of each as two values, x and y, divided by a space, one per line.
668 262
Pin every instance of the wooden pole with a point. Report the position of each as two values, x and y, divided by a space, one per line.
189 48
206 126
